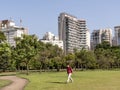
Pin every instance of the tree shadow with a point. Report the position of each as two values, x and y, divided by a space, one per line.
8 75
58 82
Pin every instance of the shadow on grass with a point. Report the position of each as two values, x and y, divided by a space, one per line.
8 75
58 82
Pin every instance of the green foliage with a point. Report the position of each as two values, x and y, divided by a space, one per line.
34 54
85 59
2 37
26 49
104 45
107 57
5 54
30 53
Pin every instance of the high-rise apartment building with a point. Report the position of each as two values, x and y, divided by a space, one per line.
11 31
100 35
73 32
117 36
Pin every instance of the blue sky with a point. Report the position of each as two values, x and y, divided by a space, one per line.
41 16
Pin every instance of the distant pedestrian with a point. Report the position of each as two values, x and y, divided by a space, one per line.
69 72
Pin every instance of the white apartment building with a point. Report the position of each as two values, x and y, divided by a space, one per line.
117 36
11 31
52 39
88 39
48 36
73 32
100 35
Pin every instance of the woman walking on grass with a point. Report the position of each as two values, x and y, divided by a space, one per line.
69 72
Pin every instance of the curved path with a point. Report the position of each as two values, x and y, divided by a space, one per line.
17 83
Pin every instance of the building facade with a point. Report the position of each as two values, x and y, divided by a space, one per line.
52 39
49 36
116 36
73 32
11 31
100 35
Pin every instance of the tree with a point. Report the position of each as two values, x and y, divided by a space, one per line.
70 59
27 48
43 58
86 59
104 45
57 63
104 55
2 37
116 56
5 54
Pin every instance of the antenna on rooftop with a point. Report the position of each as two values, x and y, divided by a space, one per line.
20 22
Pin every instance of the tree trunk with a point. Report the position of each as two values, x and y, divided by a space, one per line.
27 67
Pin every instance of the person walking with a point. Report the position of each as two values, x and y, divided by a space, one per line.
69 72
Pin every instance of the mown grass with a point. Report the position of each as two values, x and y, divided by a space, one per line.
4 83
83 80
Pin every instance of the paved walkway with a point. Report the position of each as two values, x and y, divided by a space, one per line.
17 83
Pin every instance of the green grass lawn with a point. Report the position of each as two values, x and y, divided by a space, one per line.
83 80
4 82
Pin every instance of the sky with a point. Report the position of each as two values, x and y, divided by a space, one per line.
41 16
